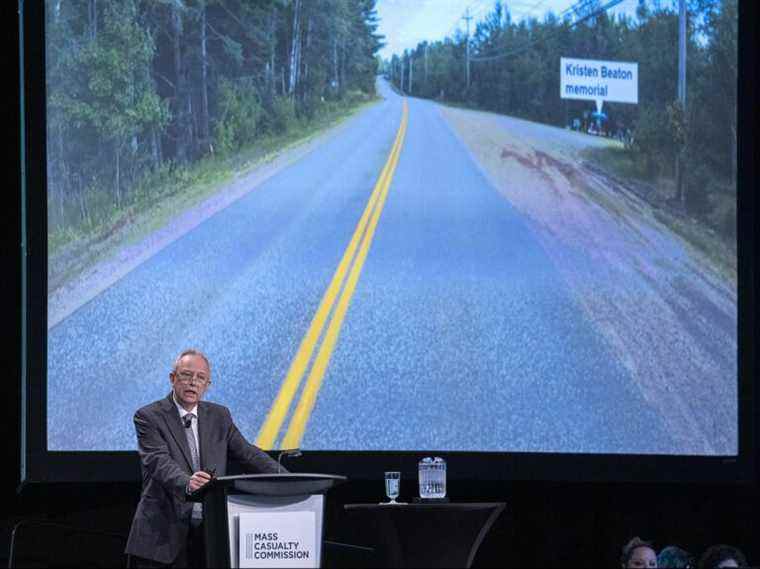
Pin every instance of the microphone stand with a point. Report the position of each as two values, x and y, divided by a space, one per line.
291 452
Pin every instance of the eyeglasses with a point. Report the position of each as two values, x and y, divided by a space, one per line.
186 376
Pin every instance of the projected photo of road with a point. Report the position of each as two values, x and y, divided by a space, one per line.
397 224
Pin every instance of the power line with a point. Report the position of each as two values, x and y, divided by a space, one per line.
528 45
455 24
527 11
477 9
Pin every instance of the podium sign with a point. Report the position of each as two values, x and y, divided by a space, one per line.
277 540
268 531
265 520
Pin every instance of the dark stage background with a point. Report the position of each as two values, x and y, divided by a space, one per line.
545 524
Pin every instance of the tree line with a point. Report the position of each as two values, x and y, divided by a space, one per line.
137 86
514 69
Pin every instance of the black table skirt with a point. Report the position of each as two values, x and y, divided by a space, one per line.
428 535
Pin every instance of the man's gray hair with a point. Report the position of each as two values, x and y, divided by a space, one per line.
191 352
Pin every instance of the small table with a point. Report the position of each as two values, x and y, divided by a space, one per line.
430 535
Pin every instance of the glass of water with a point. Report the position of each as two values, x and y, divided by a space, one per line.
392 486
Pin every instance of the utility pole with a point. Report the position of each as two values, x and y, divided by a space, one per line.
411 71
681 94
467 18
426 66
402 73
682 52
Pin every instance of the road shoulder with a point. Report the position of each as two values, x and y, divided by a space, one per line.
661 306
135 241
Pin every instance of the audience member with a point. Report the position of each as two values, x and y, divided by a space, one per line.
638 553
673 556
722 556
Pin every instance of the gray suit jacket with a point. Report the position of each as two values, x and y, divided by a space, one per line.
162 520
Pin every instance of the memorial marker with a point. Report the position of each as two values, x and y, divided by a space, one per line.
599 81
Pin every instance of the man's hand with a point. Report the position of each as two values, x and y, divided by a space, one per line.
198 480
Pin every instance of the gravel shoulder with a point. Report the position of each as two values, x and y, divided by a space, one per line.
661 306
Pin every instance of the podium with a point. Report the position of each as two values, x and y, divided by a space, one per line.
265 520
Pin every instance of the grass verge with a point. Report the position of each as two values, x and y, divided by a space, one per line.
720 250
167 193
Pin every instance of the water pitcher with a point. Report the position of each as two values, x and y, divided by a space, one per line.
432 473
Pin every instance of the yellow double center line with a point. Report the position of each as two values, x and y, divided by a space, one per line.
351 264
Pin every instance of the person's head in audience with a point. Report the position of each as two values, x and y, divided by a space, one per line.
722 556
673 556
638 553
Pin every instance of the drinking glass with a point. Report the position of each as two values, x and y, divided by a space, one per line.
392 486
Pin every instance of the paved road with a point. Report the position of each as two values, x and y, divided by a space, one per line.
460 334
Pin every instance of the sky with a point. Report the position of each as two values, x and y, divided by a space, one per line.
405 23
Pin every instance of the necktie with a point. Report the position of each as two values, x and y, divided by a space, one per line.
192 443
194 456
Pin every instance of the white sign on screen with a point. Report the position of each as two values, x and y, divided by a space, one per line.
599 81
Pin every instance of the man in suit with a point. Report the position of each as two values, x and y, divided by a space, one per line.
183 442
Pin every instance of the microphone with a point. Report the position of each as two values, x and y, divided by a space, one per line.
188 422
291 452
